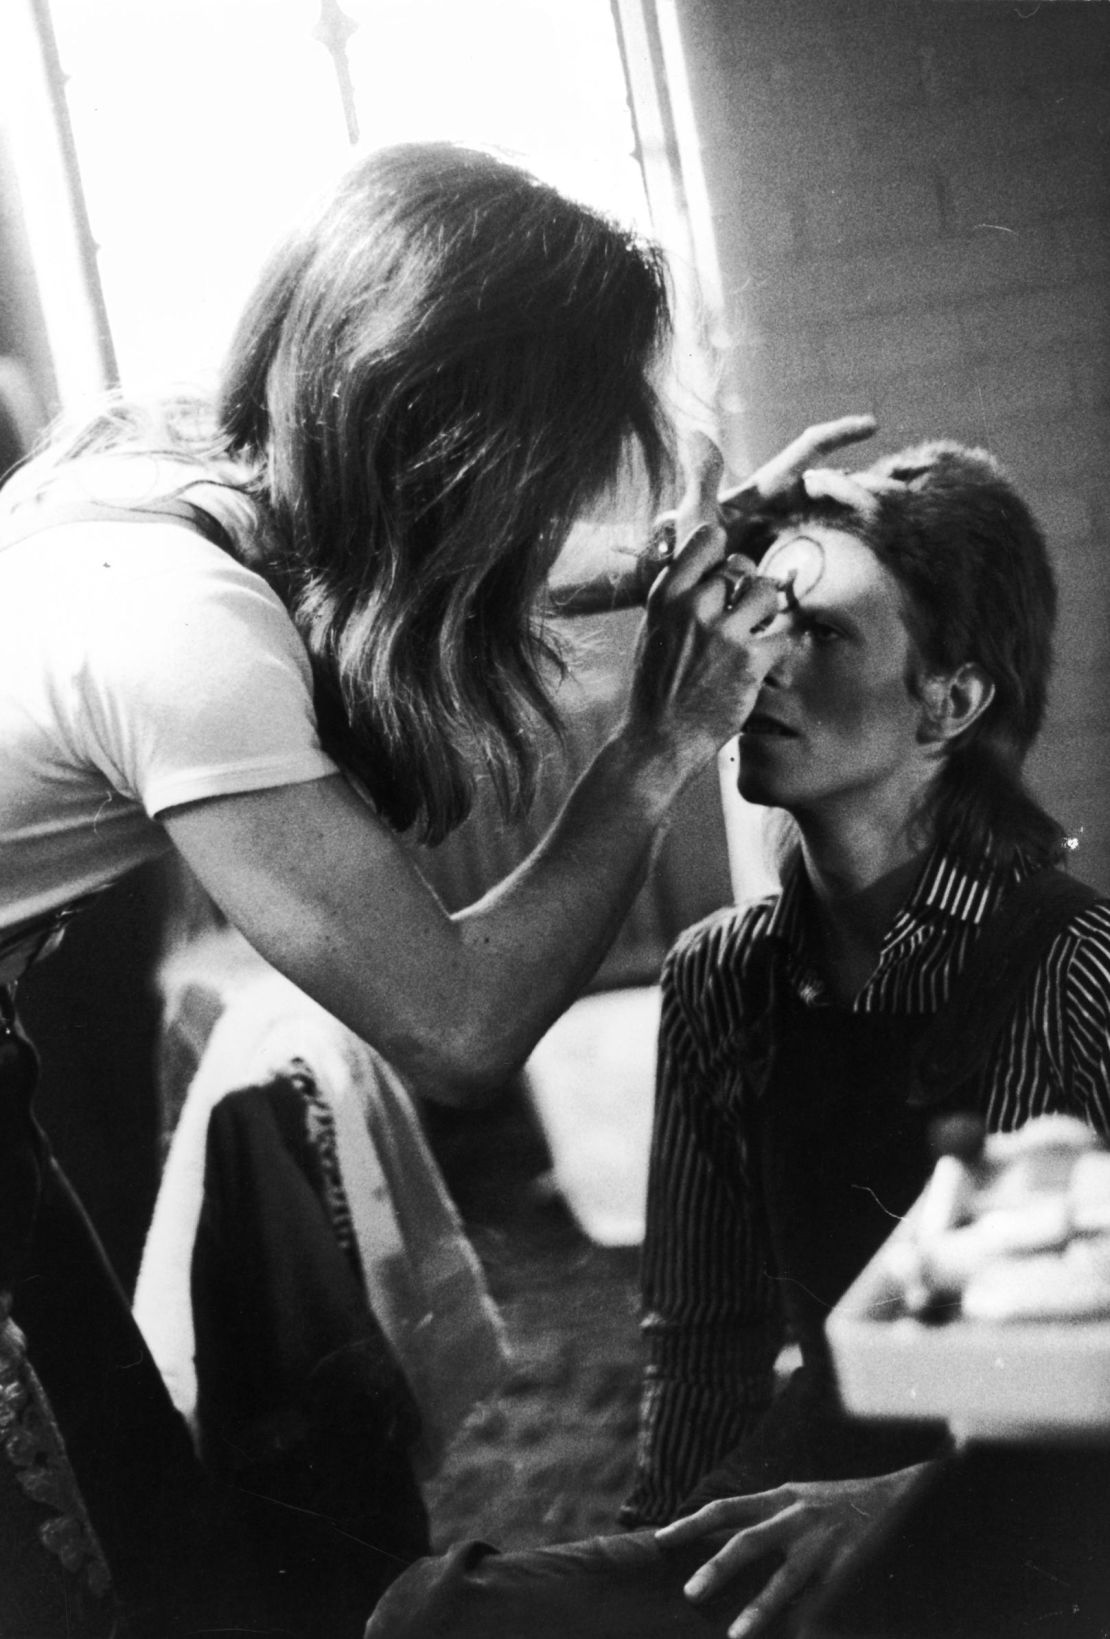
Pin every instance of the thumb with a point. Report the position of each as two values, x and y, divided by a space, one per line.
705 465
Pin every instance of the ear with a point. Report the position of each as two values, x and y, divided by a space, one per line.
951 703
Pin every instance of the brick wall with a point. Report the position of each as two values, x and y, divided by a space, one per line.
911 202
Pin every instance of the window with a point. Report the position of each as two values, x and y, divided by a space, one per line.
201 127
161 146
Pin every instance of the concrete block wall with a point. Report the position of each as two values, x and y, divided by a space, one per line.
911 204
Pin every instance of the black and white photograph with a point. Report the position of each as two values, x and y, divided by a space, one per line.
554 819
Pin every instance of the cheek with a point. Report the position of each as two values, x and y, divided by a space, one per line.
857 709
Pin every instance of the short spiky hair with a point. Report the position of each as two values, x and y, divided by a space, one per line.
977 586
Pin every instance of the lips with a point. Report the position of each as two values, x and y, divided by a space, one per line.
765 727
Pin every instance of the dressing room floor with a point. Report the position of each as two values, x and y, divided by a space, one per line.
550 1458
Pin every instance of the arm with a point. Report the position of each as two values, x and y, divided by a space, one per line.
326 895
322 890
1079 1029
712 1320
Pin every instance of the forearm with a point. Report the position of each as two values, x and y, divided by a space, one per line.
518 957
536 938
327 895
702 1395
323 890
712 1319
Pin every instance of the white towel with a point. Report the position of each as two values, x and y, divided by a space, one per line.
423 1280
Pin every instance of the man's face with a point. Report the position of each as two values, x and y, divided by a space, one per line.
835 722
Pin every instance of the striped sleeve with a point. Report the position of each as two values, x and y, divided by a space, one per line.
1072 998
712 1321
1053 1055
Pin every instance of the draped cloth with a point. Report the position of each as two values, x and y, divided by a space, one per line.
423 1282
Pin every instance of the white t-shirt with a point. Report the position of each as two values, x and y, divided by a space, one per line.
141 667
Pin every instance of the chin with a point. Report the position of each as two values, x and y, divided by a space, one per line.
760 792
760 776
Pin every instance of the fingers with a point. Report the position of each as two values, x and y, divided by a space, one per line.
827 436
671 536
696 557
690 541
737 572
692 538
705 466
747 1545
749 602
806 450
842 487
806 1556
723 1515
743 605
631 588
805 1562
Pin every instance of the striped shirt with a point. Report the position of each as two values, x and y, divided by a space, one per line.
712 1321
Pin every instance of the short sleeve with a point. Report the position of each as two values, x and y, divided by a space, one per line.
190 680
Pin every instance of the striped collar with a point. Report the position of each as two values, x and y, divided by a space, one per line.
946 891
947 886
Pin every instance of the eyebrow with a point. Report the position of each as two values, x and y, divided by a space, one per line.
815 613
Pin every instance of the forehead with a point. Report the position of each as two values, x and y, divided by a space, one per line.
832 568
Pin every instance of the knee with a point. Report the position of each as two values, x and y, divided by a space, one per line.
603 1585
435 1597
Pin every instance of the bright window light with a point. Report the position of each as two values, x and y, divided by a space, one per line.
204 126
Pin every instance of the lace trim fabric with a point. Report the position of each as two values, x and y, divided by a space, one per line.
320 1126
31 1442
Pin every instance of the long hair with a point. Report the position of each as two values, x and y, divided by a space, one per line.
434 378
438 373
977 586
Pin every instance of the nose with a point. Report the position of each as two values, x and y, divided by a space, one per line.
774 678
785 631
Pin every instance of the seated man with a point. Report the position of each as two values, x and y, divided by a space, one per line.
794 1097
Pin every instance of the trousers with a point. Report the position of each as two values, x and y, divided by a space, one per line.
617 1587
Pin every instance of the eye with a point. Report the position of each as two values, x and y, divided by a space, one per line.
820 632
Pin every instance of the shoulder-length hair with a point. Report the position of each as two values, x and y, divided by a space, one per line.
438 373
977 586
434 378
